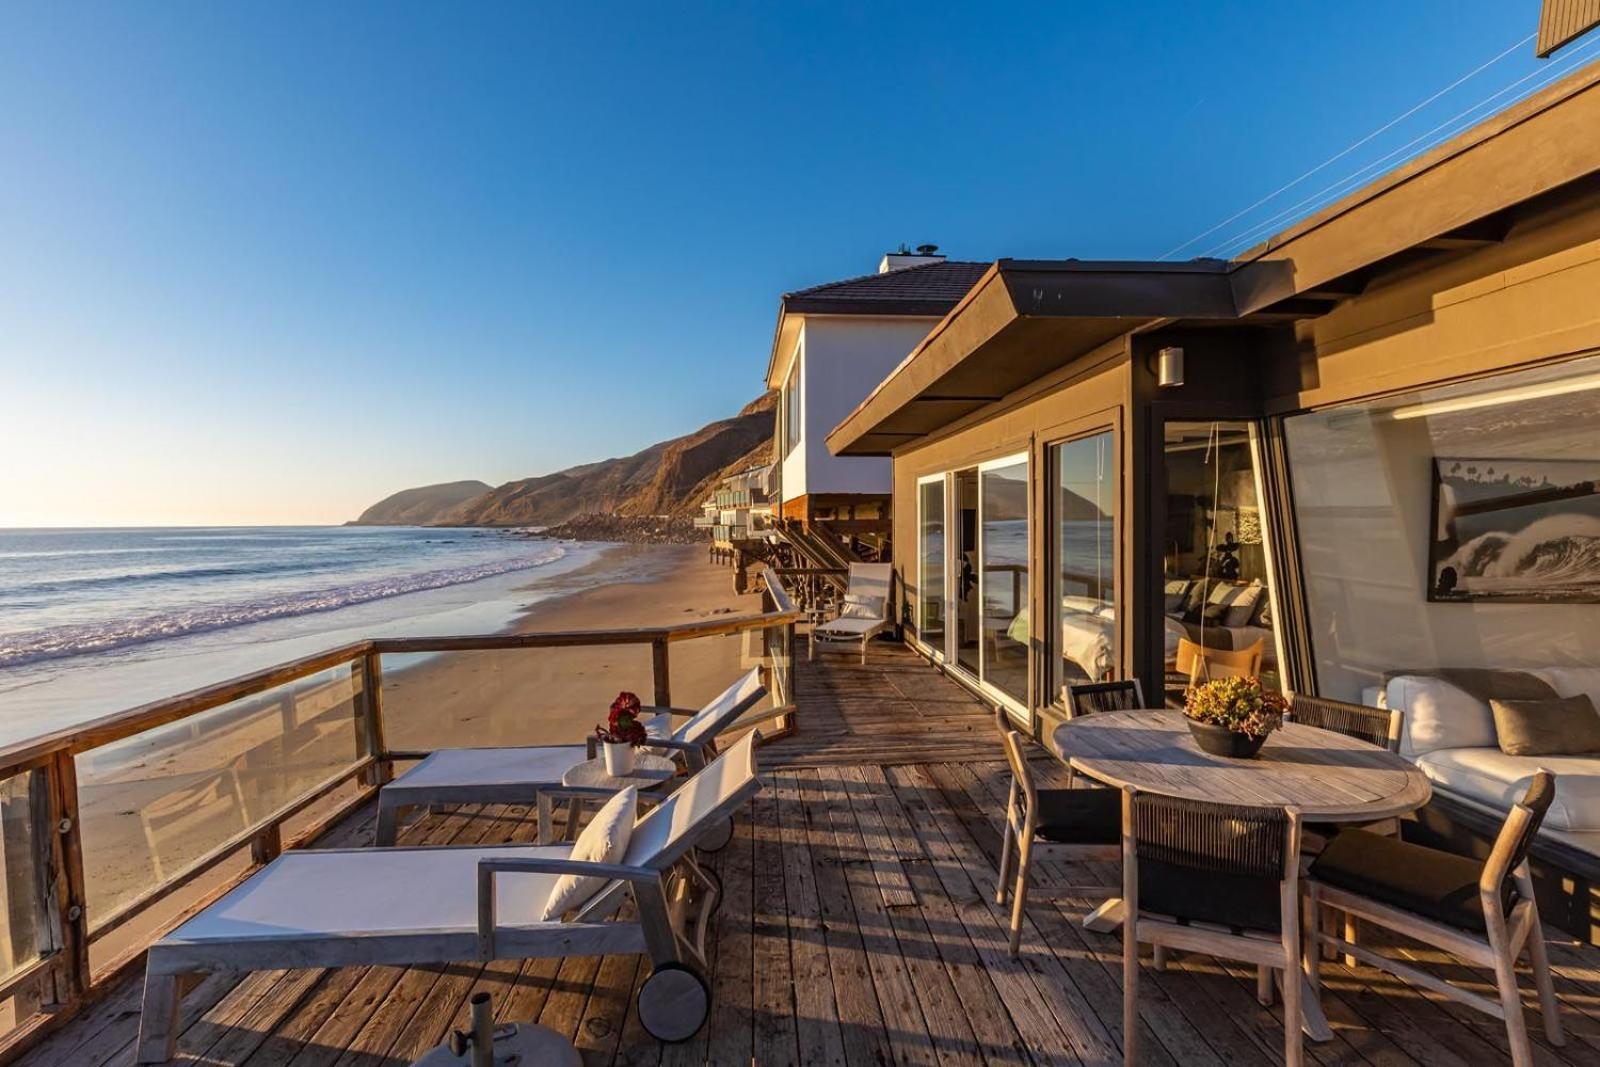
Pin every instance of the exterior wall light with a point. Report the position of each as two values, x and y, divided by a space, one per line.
1169 367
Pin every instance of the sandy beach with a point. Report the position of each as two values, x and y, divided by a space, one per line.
163 799
556 696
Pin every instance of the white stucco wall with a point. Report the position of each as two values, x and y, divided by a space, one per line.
845 359
793 471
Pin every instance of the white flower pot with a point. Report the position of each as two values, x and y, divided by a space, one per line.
619 758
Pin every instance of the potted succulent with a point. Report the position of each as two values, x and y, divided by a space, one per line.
1232 716
621 734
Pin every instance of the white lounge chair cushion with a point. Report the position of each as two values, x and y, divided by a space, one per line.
848 628
492 766
604 840
862 607
310 893
704 725
1498 781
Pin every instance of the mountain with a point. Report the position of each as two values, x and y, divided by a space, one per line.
422 506
668 478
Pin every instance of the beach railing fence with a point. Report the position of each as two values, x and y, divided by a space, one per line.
115 830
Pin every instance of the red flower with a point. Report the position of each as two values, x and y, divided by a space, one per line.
622 724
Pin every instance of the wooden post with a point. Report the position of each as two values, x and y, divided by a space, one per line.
372 716
662 672
267 845
66 860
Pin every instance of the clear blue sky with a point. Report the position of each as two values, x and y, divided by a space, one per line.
270 263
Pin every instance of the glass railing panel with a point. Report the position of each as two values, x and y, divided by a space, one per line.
27 924
154 803
524 696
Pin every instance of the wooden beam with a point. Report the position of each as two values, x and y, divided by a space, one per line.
1489 231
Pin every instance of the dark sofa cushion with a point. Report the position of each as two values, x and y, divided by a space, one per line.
1080 816
1425 881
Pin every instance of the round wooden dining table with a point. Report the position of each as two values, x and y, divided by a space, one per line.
1327 777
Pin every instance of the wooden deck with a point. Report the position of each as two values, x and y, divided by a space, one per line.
858 928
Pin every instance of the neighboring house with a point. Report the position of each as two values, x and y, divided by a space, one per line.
737 508
1365 452
835 342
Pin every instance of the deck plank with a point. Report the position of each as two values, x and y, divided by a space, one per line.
858 928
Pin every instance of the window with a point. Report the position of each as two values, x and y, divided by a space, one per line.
1084 515
930 555
791 407
1003 547
1216 587
1450 527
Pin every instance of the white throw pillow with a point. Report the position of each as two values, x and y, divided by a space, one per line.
1439 715
604 840
862 607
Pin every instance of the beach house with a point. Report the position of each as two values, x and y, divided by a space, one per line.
833 343
1360 458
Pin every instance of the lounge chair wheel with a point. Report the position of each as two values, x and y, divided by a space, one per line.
673 1003
716 837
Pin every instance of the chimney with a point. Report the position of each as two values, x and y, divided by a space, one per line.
904 257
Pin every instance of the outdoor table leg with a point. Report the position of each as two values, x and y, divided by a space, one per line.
1106 918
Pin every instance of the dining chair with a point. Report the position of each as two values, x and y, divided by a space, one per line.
1377 726
1220 879
1206 664
1069 825
1088 698
1481 911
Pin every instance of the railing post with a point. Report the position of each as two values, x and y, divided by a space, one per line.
372 716
661 670
66 860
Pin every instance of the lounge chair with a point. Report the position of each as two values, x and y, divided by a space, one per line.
864 612
441 905
517 775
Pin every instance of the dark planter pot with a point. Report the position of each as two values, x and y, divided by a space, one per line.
1221 741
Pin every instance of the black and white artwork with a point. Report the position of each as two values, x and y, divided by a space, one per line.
1515 530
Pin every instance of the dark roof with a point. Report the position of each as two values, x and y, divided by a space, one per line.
926 289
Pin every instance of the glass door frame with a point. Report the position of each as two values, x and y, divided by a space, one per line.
1018 709
1051 554
941 654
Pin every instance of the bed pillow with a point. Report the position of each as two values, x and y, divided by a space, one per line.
604 840
857 606
1177 593
1565 726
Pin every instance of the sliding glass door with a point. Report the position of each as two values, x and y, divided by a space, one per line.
1084 521
1003 579
931 558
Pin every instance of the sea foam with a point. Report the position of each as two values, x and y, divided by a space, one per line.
60 642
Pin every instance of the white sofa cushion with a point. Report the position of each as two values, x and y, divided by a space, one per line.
1497 780
1439 715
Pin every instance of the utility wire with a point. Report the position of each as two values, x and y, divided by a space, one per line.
1341 154
1320 199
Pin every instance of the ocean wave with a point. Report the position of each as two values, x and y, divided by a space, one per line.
60 642
1551 551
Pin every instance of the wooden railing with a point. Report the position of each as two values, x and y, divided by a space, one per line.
47 887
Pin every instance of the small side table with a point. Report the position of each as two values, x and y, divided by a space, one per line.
648 769
530 1045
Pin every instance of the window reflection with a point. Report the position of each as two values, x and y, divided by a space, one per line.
1004 546
1085 540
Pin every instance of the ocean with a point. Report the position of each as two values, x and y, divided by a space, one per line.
95 621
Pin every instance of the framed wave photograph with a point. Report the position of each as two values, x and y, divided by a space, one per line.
1515 531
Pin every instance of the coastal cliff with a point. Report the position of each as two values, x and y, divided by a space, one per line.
664 482
422 506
